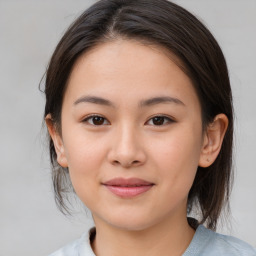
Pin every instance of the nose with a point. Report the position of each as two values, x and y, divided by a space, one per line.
127 148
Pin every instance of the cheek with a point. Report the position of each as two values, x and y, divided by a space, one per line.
82 148
177 156
85 155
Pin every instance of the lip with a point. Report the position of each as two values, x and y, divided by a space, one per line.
128 188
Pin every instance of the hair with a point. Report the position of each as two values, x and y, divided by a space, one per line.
171 27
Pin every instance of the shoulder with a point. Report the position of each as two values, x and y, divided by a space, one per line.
69 249
207 242
235 244
79 247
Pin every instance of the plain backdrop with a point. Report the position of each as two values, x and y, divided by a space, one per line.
30 223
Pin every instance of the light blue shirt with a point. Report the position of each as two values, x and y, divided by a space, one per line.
204 243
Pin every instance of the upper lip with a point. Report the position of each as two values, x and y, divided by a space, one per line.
127 182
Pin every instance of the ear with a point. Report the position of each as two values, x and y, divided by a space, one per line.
57 141
212 140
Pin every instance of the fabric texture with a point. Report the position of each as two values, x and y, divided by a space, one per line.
204 243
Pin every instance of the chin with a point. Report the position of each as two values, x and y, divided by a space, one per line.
131 222
131 226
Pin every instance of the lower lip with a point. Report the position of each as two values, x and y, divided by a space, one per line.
129 191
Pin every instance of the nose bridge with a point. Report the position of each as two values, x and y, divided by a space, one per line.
127 148
126 137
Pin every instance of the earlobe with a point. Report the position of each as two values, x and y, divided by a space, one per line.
213 139
57 141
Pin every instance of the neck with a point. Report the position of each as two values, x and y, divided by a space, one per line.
172 236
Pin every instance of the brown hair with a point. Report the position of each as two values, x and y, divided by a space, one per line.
165 24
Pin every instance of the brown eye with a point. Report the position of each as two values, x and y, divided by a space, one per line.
96 120
160 120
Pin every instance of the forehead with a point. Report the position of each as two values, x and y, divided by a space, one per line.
127 67
124 52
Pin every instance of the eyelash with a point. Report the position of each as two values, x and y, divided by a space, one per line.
167 120
90 117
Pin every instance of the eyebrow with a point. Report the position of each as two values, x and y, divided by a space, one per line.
94 99
160 99
143 103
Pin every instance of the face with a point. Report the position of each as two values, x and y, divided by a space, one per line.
131 135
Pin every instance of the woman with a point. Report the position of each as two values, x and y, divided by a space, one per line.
139 112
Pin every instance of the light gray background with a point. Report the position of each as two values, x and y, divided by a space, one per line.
29 30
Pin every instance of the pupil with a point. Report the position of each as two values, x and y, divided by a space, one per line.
97 120
158 120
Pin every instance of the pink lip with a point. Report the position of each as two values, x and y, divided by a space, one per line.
128 187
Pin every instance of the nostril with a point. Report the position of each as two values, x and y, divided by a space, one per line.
115 162
127 164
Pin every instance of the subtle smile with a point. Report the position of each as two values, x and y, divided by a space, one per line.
128 187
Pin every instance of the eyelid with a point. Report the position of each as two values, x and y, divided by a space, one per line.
169 118
88 117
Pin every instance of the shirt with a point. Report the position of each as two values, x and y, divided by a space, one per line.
204 243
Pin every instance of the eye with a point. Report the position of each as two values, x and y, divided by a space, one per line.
160 120
96 120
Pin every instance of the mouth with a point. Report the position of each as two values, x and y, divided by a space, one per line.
128 188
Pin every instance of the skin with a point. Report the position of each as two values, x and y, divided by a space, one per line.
127 143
